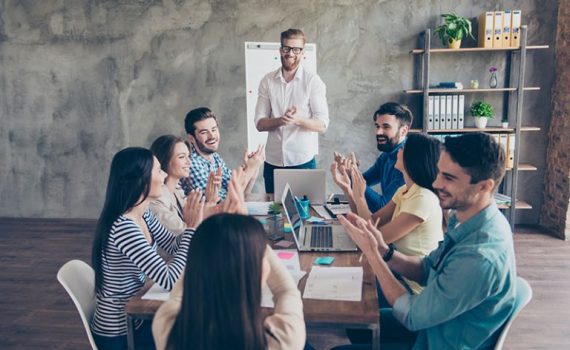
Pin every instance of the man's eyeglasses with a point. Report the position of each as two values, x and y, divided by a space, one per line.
287 49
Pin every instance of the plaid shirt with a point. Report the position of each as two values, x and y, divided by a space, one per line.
200 168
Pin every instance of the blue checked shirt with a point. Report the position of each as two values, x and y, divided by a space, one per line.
200 168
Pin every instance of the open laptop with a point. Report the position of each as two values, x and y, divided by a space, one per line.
304 182
314 237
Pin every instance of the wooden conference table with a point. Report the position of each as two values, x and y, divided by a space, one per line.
318 313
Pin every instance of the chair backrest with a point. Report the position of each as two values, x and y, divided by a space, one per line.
523 297
78 279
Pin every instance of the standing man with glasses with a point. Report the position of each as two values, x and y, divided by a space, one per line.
292 107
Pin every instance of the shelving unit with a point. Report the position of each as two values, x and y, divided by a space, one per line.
516 92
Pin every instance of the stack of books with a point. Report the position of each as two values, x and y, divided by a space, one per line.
452 85
446 112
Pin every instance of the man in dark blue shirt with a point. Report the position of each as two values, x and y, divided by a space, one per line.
392 122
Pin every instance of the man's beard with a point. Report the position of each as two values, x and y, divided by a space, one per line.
202 147
388 146
290 66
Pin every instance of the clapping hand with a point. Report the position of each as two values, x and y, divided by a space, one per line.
213 186
193 210
235 202
289 117
364 234
254 159
341 178
358 182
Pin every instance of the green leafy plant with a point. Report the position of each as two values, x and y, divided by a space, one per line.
274 209
454 28
482 109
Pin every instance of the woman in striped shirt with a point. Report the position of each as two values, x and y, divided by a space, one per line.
125 246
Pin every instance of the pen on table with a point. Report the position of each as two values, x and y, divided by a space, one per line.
375 224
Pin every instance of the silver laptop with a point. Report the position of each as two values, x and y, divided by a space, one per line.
304 182
314 237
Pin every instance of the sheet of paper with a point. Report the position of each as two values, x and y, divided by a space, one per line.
320 209
267 296
334 283
258 208
156 292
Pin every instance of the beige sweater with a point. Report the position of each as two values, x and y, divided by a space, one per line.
284 329
166 210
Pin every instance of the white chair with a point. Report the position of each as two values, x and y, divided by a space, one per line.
523 297
78 279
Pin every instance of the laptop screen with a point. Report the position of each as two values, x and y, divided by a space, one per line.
292 212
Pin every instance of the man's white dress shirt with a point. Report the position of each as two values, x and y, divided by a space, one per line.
291 145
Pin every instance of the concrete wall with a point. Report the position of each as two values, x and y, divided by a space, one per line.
80 80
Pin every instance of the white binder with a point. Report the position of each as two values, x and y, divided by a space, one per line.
430 112
436 112
460 112
454 115
448 109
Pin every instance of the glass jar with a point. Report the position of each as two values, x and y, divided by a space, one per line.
274 227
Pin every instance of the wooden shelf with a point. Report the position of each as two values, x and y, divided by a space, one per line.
519 205
477 49
468 130
525 167
461 91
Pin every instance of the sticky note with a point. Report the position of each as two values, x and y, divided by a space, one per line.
285 255
284 244
324 260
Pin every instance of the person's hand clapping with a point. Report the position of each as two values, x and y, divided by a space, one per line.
193 210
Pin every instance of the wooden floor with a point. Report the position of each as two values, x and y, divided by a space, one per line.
36 313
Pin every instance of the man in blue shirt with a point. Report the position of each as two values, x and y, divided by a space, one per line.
392 122
470 279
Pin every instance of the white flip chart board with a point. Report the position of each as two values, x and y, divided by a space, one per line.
260 59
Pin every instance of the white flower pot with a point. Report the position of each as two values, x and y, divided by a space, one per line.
480 122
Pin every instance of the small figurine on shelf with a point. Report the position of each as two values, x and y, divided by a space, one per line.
493 80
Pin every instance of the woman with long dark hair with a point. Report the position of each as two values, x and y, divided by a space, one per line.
218 303
170 208
125 246
413 219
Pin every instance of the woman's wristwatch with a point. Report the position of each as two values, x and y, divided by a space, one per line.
388 255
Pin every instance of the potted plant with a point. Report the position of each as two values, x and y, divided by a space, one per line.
481 111
453 30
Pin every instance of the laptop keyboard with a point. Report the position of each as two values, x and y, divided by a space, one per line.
321 237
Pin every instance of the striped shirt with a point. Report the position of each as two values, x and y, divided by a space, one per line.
128 260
